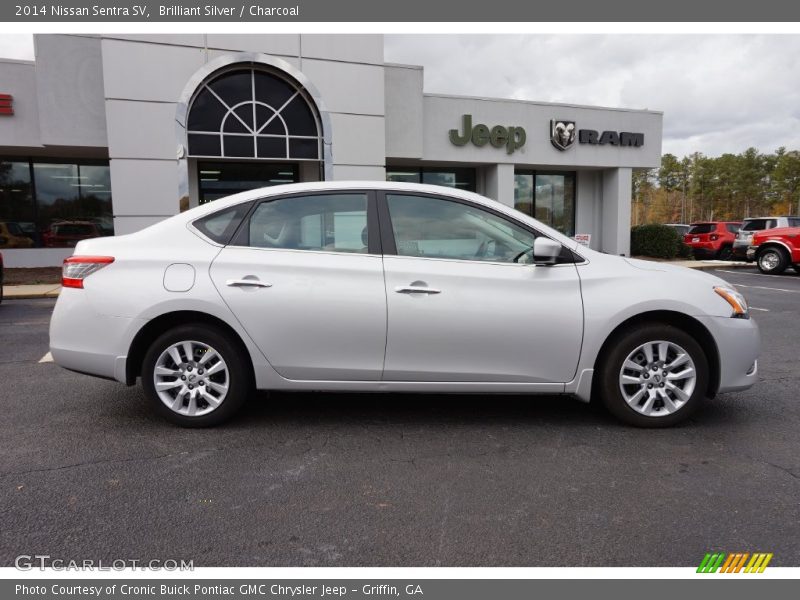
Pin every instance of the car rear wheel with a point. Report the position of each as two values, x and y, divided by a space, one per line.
725 253
196 376
772 260
655 376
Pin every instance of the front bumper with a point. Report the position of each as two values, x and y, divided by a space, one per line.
739 346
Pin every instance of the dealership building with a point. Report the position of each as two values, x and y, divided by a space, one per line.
107 134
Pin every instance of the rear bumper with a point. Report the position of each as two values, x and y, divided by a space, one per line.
85 341
739 346
703 250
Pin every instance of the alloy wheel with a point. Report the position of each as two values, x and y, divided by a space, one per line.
657 378
769 260
191 378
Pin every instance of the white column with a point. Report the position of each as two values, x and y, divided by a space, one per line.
616 217
499 183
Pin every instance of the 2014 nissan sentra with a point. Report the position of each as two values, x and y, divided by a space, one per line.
370 286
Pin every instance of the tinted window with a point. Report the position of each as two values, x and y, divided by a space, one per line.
703 228
733 227
758 224
326 222
794 221
436 228
220 226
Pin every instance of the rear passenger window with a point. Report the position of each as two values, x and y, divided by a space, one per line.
324 222
220 226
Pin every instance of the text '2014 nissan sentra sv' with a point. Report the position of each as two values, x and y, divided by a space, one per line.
372 286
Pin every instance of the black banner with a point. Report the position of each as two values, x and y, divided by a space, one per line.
337 11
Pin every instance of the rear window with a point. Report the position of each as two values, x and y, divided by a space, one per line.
759 224
220 226
703 228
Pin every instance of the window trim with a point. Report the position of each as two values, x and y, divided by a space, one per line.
390 244
241 237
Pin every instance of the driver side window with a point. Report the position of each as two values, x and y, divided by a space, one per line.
437 228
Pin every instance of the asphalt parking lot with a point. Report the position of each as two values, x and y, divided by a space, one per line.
86 472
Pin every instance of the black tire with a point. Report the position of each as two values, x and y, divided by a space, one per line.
725 253
772 260
239 376
796 268
610 367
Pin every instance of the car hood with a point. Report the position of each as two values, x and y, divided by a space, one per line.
660 267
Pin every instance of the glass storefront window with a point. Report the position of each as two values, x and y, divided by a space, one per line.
548 197
460 178
62 204
17 211
220 179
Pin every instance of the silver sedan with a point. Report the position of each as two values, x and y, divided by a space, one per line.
370 286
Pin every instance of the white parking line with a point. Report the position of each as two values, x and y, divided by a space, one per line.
750 274
761 309
46 358
761 287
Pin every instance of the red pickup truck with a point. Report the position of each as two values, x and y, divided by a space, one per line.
775 249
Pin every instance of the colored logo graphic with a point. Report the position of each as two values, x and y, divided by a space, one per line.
735 563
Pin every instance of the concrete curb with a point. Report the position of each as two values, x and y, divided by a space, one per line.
31 292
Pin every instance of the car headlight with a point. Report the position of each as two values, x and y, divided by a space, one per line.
736 300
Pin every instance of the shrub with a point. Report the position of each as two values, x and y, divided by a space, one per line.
657 241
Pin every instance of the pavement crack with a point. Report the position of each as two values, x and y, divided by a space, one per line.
779 467
89 463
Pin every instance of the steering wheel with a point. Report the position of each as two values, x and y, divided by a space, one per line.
521 254
483 248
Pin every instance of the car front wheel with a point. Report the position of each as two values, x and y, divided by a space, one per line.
772 260
196 375
654 376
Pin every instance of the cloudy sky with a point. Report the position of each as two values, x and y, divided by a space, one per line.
719 93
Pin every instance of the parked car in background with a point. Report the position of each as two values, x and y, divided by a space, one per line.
12 236
383 286
681 228
776 249
65 234
713 239
750 226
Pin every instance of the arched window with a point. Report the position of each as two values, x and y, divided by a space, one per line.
253 113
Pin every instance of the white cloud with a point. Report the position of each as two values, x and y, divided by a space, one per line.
718 93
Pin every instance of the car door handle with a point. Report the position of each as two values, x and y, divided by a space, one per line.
416 289
247 283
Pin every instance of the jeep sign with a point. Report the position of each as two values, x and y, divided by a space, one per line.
511 137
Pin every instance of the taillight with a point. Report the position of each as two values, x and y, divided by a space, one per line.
78 268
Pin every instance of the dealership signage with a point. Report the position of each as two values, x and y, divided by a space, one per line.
6 105
564 133
512 137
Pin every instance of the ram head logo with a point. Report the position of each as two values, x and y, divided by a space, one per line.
562 134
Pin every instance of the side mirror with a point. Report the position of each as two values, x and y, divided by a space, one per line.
545 251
